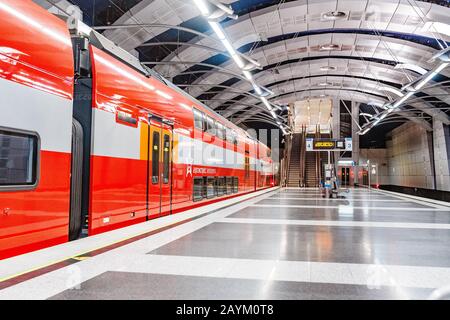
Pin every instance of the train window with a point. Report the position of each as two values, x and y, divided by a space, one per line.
19 155
210 126
198 189
247 167
220 131
235 140
235 184
210 187
205 183
198 119
166 159
229 136
221 187
155 158
229 185
127 118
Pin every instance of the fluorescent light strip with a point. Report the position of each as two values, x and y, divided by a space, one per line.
274 115
266 103
201 5
248 75
430 76
366 114
218 30
403 99
406 96
257 88
364 131
238 60
234 55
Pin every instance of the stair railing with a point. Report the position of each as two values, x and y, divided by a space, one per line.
287 156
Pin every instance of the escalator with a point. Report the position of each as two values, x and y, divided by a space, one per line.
314 162
311 172
293 176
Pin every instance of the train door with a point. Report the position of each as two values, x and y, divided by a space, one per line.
257 166
76 180
246 168
160 169
345 176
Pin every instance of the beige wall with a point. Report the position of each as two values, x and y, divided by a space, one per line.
408 153
406 159
378 157
441 142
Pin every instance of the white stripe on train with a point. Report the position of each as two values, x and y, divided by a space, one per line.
112 139
30 109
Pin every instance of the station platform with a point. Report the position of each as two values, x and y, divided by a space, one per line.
279 243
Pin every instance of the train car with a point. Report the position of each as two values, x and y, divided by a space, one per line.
91 141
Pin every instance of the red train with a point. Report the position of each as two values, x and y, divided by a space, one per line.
92 141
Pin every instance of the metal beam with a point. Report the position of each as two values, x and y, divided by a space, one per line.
419 121
195 63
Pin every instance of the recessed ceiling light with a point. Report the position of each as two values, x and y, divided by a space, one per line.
323 84
334 15
327 68
329 47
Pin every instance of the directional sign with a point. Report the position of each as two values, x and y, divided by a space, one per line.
348 144
309 144
323 144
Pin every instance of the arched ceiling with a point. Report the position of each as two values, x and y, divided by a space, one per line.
287 39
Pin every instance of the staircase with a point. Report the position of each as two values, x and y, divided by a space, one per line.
293 177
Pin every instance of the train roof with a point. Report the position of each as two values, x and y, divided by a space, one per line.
107 45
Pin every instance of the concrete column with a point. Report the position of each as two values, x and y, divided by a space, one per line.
441 145
355 137
335 123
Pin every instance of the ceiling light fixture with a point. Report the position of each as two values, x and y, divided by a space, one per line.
366 114
329 47
430 76
245 66
334 15
327 68
266 103
201 5
361 133
410 89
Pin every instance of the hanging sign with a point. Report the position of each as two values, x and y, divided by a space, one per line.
323 144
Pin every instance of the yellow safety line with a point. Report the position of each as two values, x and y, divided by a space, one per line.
79 254
84 252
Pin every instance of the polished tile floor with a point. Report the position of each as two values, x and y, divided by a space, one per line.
285 244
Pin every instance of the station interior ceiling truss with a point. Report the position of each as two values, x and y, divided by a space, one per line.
358 50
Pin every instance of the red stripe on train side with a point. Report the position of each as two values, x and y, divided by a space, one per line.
118 192
35 49
39 217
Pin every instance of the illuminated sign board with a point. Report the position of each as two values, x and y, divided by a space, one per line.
324 145
329 144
